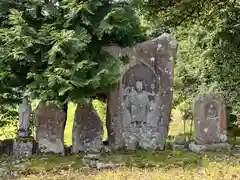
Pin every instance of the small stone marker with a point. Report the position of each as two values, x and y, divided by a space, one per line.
87 129
50 120
210 119
210 124
138 111
24 111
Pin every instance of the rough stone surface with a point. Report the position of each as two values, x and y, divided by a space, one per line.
208 147
138 111
92 156
50 120
22 149
236 151
101 165
181 140
210 119
237 147
197 148
87 129
178 147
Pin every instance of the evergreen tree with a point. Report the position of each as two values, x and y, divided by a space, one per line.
53 48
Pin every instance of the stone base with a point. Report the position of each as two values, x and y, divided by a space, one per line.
146 137
23 147
178 146
88 145
208 147
45 146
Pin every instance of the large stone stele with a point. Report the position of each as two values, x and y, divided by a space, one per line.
210 119
87 129
138 111
50 121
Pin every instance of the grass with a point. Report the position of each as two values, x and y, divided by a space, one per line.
140 165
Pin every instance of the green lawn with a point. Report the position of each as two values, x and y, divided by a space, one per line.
135 166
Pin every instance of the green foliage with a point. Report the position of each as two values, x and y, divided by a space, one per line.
208 57
54 49
8 115
209 62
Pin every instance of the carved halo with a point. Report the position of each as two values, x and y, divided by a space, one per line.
212 105
141 72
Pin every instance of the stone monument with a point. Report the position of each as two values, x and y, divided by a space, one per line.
210 121
23 144
87 129
50 121
138 111
24 111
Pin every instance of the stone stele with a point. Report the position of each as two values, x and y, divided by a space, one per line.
138 111
50 120
24 111
87 129
210 119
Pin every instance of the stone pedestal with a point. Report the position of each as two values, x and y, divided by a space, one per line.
208 147
23 147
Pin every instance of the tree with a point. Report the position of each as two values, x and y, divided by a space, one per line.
54 48
208 58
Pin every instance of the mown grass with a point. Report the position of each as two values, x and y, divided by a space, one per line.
136 166
214 172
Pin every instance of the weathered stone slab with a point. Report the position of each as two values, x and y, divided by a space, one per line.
210 119
50 121
139 109
180 139
178 147
102 165
197 148
87 129
23 147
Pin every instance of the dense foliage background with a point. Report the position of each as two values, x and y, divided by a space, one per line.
209 49
53 48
